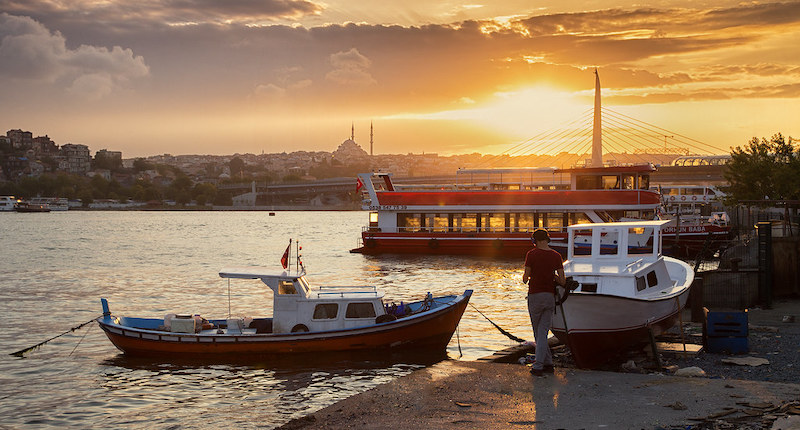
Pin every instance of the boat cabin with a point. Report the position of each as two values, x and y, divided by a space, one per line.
299 308
616 262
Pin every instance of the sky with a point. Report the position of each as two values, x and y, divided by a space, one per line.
149 77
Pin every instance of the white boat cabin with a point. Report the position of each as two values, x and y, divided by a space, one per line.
299 308
624 268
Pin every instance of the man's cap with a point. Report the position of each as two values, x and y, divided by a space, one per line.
540 234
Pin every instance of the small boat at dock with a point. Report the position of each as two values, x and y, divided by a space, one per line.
621 294
305 320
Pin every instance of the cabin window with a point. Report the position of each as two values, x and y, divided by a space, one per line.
553 221
360 310
469 223
326 311
286 287
640 283
610 182
627 182
579 218
584 182
408 222
525 222
494 222
440 222
644 182
589 288
652 279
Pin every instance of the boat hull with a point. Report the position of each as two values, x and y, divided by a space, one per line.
599 327
428 331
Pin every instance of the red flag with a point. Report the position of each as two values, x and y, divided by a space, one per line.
285 258
359 185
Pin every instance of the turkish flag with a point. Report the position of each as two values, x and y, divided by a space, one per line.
285 258
359 185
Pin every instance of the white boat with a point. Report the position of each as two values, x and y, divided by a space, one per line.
8 203
315 321
622 294
52 203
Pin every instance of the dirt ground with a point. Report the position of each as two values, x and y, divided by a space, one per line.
484 395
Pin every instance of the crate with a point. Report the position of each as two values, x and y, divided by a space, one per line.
726 332
731 345
726 324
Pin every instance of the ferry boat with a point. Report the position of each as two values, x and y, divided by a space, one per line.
8 203
496 217
52 203
620 296
698 220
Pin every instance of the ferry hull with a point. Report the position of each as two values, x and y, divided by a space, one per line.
599 327
418 333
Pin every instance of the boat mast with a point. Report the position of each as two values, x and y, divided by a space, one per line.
597 131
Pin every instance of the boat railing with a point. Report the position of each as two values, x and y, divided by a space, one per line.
634 264
342 290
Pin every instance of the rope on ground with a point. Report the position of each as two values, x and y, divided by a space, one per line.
507 334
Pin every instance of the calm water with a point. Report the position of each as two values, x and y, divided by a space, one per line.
55 267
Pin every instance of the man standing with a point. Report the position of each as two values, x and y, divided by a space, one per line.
543 267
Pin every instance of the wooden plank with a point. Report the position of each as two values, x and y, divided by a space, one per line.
677 348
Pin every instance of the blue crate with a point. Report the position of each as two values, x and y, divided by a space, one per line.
726 324
731 345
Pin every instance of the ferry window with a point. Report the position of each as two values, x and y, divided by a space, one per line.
583 182
652 279
469 222
553 221
640 283
326 311
644 182
610 182
286 287
408 222
440 222
696 191
579 218
525 222
495 222
627 182
360 310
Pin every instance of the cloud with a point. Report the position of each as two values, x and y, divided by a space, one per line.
30 52
350 68
167 11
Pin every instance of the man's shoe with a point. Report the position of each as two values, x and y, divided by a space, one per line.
536 372
548 369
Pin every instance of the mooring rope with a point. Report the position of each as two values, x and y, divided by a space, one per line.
507 334
22 352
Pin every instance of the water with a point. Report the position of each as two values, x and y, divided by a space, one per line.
54 268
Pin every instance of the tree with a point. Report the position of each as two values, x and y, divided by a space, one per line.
764 169
237 167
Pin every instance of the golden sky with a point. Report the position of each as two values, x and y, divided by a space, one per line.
237 76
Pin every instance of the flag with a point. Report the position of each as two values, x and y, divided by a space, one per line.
285 258
359 185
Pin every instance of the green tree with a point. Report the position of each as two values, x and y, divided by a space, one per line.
237 167
764 169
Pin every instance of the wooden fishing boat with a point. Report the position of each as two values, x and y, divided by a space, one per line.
305 320
621 294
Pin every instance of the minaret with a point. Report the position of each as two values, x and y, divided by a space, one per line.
597 131
352 131
370 138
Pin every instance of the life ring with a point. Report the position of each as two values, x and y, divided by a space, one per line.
433 244
300 328
385 318
497 244
694 198
370 243
683 198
